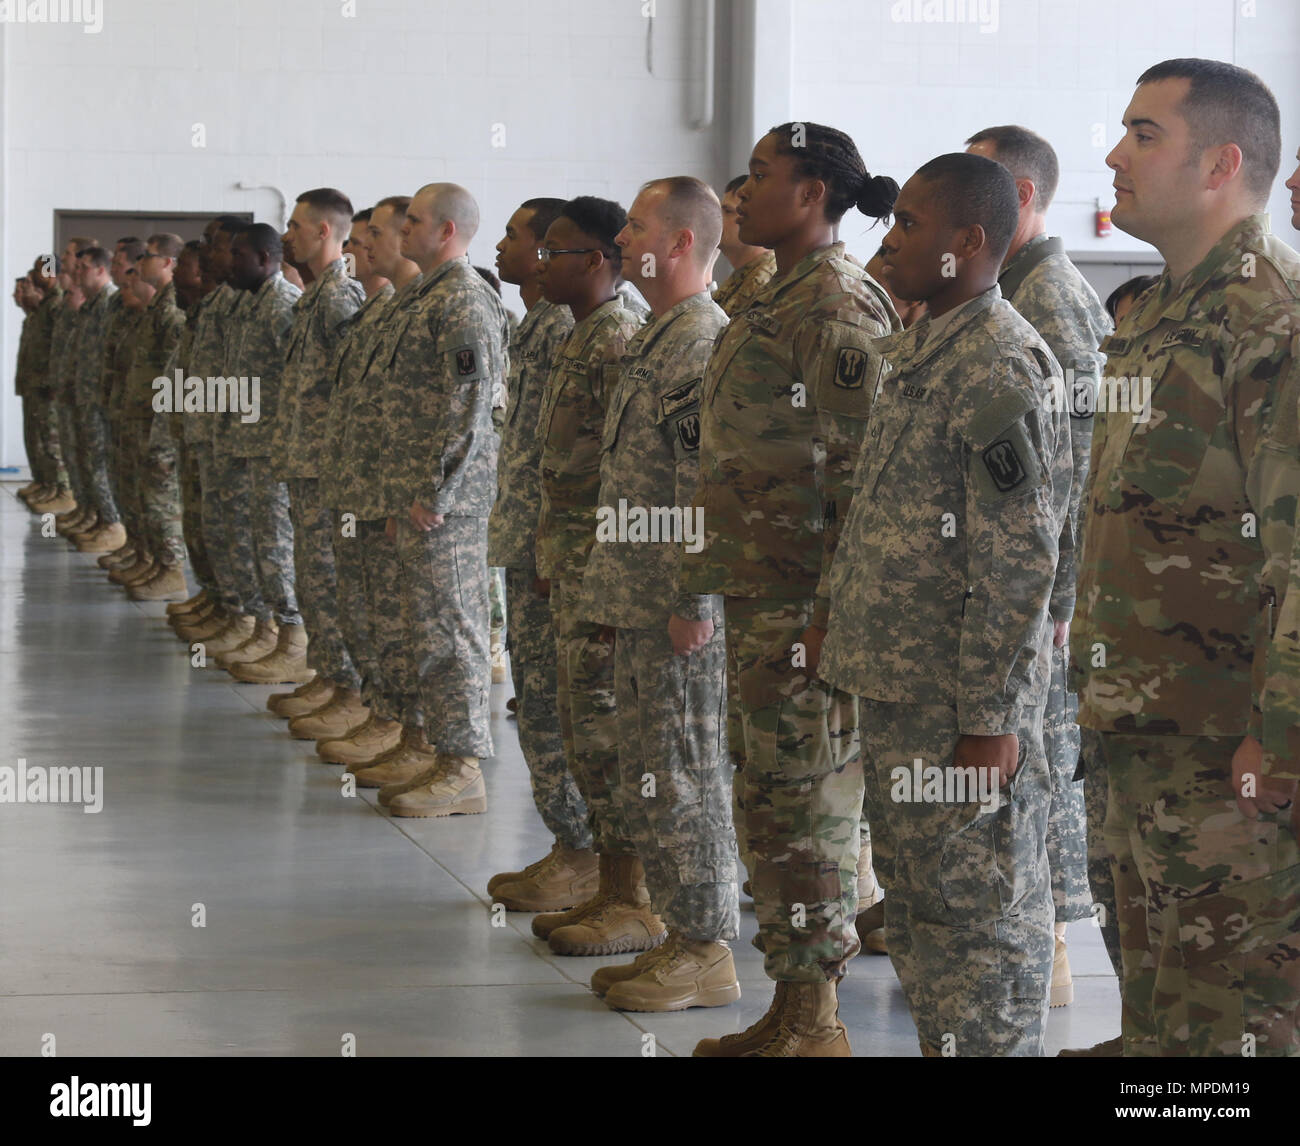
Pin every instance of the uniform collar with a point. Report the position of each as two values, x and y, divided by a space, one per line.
438 273
801 270
653 330
912 347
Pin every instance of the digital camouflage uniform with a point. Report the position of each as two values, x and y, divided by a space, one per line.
512 545
92 419
449 354
671 709
256 344
359 490
190 484
350 539
746 284
1051 295
1186 552
320 316
940 595
580 384
785 402
49 457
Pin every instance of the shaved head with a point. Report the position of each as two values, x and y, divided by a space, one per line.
691 204
451 203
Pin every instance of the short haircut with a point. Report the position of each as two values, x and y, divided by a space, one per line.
399 204
79 241
167 244
1026 155
451 203
734 184
488 277
133 250
331 205
194 245
973 189
602 219
822 152
544 212
126 239
95 256
262 239
1131 289
1228 104
692 204
363 216
229 223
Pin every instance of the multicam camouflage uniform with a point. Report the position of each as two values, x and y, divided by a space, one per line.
671 709
1057 301
785 402
746 284
92 421
512 544
1185 554
257 340
939 621
579 386
449 354
320 316
119 352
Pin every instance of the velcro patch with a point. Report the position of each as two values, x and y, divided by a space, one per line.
850 368
915 393
688 432
679 398
767 323
1002 460
1184 336
466 361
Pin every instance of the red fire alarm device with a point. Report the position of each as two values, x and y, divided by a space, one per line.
1103 220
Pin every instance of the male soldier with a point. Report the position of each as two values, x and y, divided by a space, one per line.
581 270
127 561
441 449
669 649
348 711
939 619
566 875
255 502
151 440
319 224
392 748
1048 291
54 496
92 418
1185 554
752 267
27 299
62 363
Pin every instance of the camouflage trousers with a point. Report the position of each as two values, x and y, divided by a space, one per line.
395 693
445 614
49 456
317 583
160 494
801 794
1208 901
92 442
1101 880
215 540
531 639
133 449
70 449
1067 822
272 543
968 903
36 439
496 598
588 712
236 492
675 778
117 472
192 518
354 613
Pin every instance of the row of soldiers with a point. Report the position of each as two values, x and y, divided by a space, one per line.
790 569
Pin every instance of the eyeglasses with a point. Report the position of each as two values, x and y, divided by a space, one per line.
545 254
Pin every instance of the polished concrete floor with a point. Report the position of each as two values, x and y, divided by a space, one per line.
323 917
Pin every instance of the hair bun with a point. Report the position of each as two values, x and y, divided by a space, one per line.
877 196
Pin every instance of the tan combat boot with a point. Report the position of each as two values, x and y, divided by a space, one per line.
201 612
61 502
84 528
239 627
286 665
1062 992
30 488
168 584
314 694
543 925
104 539
750 1039
341 717
624 922
205 627
1111 1048
119 558
565 878
692 973
456 788
606 977
808 1025
64 523
194 605
141 565
364 746
410 760
266 635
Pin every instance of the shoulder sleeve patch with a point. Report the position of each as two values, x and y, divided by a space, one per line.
679 398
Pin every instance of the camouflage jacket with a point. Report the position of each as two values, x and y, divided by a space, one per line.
449 352
114 364
1192 499
649 465
571 425
319 318
785 404
941 585
96 313
180 361
512 528
63 352
1059 303
256 344
208 353
23 366
746 284
42 342
351 361
160 331
359 487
